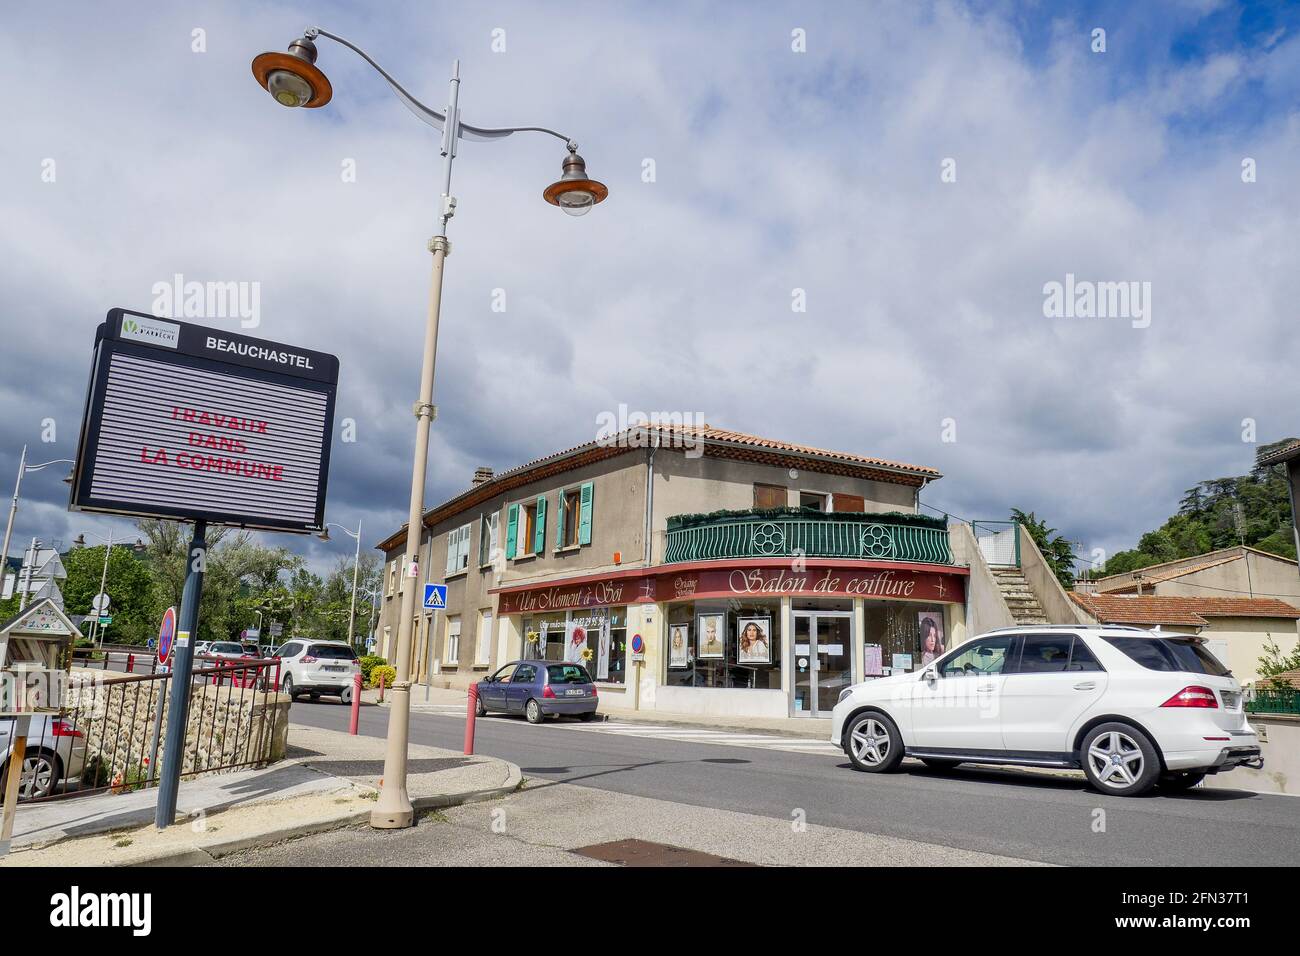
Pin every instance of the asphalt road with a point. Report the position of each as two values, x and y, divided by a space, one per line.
1008 812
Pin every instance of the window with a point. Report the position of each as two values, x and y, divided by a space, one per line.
687 668
566 529
453 641
526 528
525 674
504 674
1170 654
574 524
567 674
1083 659
289 650
458 549
483 646
1045 653
392 577
332 652
812 500
488 539
769 496
988 656
593 637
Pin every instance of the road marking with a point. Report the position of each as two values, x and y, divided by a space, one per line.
723 737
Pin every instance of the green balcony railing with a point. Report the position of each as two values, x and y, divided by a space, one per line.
1273 700
860 536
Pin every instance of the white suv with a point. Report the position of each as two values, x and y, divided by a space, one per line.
317 667
1131 708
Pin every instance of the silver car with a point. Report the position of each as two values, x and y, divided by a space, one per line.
56 751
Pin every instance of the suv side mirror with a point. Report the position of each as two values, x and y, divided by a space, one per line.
930 674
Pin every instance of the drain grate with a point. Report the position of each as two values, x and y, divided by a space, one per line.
648 853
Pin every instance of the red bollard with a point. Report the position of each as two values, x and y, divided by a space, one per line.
381 688
356 703
130 663
469 720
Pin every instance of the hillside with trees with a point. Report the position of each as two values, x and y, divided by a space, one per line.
1207 520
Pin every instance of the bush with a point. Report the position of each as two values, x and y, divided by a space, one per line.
386 671
369 663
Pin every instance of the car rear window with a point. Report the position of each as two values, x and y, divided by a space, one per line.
567 674
1170 654
333 652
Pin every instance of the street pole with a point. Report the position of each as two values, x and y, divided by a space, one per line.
352 612
27 576
103 582
13 510
182 677
393 809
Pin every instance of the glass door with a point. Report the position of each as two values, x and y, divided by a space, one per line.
823 649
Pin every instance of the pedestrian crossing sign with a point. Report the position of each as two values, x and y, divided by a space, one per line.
435 597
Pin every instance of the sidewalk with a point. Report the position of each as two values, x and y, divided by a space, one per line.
450 702
329 781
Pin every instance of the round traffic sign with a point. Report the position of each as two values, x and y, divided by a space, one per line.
638 645
100 603
166 633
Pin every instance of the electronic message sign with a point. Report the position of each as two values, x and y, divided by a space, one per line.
189 422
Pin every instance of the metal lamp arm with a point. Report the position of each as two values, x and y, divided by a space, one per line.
431 116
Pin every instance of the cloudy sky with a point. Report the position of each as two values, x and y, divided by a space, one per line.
792 147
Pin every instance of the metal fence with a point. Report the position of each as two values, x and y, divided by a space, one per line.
109 736
1272 700
822 538
999 542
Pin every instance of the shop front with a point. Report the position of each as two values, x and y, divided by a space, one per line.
759 637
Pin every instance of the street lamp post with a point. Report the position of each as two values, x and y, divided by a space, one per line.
23 468
294 80
103 583
356 564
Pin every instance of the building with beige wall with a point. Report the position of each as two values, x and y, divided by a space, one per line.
1239 631
758 576
1227 572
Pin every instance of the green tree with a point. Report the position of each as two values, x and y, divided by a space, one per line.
1057 551
129 585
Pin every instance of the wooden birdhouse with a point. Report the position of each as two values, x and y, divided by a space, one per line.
34 659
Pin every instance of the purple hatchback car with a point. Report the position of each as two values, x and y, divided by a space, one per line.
537 689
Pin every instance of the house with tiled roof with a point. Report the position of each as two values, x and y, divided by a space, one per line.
1239 630
692 569
1228 572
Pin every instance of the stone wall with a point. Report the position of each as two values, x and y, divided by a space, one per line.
227 726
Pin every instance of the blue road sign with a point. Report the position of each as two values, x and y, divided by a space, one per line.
435 597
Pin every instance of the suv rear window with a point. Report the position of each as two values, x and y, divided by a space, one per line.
332 652
567 674
1170 654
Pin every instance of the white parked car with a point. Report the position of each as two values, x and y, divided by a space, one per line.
1131 708
318 667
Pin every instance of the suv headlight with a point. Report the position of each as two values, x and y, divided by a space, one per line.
846 692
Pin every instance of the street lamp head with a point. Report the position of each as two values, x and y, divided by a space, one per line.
293 78
573 191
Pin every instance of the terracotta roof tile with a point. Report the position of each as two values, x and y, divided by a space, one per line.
1285 453
1197 611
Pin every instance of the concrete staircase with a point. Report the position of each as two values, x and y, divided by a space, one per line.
1020 599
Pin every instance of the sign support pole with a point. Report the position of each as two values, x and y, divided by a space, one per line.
182 679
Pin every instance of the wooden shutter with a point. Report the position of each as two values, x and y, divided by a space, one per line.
512 530
539 538
585 496
561 512
841 502
453 536
770 496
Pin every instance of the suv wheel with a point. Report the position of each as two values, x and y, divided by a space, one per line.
1119 759
286 687
533 711
39 776
875 745
1178 782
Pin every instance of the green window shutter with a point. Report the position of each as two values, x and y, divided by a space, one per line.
539 539
561 516
584 512
512 530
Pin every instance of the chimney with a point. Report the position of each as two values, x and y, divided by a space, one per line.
481 474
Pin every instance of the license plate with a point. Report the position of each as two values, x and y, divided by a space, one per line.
575 693
1231 701
339 669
